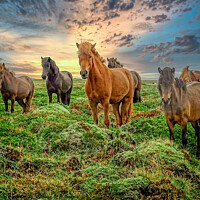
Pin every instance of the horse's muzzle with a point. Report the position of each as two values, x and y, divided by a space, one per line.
166 102
43 77
84 74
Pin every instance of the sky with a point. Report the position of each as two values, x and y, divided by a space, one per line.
142 34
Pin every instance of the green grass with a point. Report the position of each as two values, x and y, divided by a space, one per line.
57 151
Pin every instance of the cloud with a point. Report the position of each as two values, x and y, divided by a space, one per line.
186 44
126 40
185 10
117 5
166 5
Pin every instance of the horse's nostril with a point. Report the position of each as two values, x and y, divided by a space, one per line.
86 72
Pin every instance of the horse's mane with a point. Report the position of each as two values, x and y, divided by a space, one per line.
3 67
181 84
87 48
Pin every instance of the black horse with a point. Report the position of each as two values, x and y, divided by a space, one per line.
59 82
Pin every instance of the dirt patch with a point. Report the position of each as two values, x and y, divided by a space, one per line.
11 154
73 164
151 113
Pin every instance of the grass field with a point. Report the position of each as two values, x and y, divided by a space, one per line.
56 151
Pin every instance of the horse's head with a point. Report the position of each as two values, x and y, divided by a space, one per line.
165 84
49 67
185 76
111 62
85 58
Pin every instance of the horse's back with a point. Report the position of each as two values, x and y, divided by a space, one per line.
194 86
27 80
67 80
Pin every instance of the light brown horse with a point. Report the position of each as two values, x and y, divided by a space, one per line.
181 104
105 86
189 76
15 89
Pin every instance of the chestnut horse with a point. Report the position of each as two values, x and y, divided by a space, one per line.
113 63
105 86
189 76
15 89
181 104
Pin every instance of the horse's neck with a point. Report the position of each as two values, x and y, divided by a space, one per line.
98 70
9 81
53 77
178 96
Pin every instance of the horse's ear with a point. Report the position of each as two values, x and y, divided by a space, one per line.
77 44
107 59
4 64
115 59
93 46
187 67
173 70
41 57
49 59
159 70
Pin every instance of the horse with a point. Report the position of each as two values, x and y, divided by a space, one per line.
59 82
105 86
189 76
181 104
113 63
15 89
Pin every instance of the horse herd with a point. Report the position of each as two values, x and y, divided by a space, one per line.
113 85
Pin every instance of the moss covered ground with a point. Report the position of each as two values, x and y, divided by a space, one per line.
57 152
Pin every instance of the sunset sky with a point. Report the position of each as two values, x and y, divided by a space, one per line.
142 34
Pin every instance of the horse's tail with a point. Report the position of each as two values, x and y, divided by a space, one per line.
137 96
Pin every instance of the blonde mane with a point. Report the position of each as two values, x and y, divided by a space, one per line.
87 48
185 70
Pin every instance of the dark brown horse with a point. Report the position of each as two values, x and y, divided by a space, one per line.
113 63
15 89
59 82
105 86
189 76
181 104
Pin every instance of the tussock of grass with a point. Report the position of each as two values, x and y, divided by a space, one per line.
52 109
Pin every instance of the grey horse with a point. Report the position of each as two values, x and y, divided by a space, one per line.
113 63
59 82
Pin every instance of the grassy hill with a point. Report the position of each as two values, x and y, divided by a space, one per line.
56 151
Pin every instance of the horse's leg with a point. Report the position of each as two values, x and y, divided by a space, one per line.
50 96
28 102
93 106
5 100
197 132
22 104
58 96
105 105
184 139
135 98
68 98
171 129
12 104
125 110
117 114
